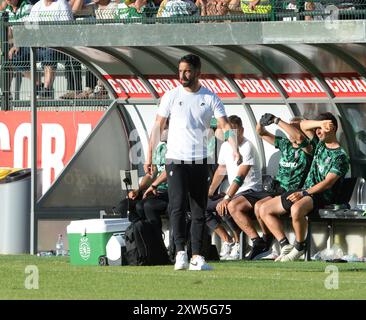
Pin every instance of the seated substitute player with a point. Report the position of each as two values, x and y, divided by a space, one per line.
330 164
296 157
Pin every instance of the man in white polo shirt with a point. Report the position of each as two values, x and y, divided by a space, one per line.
189 108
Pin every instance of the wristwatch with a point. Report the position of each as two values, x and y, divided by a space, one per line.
227 197
154 187
306 194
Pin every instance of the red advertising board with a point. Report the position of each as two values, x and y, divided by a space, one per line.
58 137
132 87
251 86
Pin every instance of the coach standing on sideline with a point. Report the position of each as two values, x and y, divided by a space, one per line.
190 108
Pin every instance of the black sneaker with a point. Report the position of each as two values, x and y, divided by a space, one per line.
259 251
269 243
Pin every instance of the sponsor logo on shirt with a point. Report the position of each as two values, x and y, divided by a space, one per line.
286 164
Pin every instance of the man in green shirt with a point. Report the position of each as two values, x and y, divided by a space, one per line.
330 163
17 10
150 199
296 157
155 200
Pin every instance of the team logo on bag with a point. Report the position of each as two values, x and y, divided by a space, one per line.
84 248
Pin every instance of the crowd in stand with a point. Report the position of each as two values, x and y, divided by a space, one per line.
49 10
62 10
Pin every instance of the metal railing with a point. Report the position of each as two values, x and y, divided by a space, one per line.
231 11
62 82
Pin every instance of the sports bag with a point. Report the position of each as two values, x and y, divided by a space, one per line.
145 245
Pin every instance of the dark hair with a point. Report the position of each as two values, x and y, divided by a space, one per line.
328 116
193 60
235 120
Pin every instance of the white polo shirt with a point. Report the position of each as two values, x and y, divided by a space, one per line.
190 115
253 180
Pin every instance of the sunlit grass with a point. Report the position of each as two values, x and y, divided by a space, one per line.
229 280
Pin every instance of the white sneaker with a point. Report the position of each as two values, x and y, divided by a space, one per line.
293 255
285 250
226 248
199 263
235 252
181 261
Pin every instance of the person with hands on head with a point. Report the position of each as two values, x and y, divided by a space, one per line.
294 163
330 164
189 108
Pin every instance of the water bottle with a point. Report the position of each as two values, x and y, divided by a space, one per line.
60 246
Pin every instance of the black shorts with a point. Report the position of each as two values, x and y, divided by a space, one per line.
318 201
47 57
254 196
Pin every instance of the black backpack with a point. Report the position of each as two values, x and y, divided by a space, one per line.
145 245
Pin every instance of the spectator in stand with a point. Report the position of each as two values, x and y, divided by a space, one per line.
177 8
130 9
49 10
315 7
105 9
243 179
94 89
256 6
3 5
330 164
296 154
79 7
213 8
17 11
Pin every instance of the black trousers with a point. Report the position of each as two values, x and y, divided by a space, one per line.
187 182
153 207
213 220
130 205
150 208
